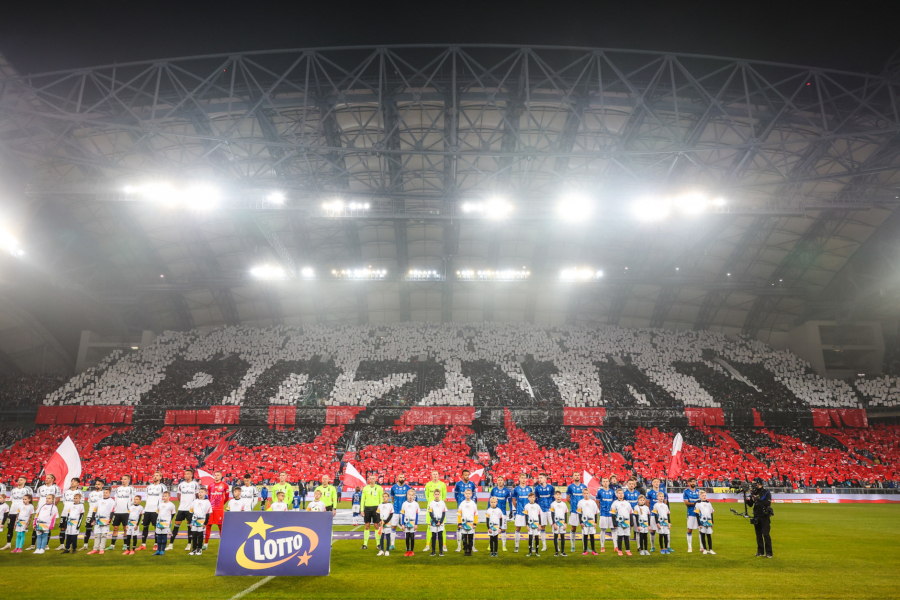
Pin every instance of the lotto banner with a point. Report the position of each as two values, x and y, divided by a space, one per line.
280 543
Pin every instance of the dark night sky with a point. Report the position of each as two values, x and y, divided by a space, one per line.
856 36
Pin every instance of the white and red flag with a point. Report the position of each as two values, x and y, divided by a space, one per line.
352 479
592 483
206 479
675 464
475 476
64 464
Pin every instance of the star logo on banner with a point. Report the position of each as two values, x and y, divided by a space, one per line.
259 527
304 560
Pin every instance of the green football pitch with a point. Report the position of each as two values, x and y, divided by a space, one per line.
821 551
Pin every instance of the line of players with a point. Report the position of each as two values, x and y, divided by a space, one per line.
622 512
106 513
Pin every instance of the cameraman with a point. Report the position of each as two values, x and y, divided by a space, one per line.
761 501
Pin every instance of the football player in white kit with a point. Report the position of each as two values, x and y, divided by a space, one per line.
153 498
68 503
187 491
94 498
201 508
249 492
49 487
124 495
16 496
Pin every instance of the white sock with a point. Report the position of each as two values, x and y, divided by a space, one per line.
615 539
459 536
652 540
393 538
572 537
690 540
518 537
544 539
503 537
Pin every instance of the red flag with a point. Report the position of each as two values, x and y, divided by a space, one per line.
592 483
64 464
352 479
675 464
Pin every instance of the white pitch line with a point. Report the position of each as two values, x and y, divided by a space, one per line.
253 587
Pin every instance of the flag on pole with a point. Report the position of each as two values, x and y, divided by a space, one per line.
206 479
675 464
352 478
592 483
64 464
475 476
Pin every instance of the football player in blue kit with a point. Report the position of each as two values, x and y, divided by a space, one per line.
631 496
544 493
574 494
520 499
503 496
605 498
691 497
398 497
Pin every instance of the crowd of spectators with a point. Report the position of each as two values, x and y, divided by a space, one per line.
27 390
448 457
10 436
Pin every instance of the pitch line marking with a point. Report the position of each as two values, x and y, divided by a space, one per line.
253 587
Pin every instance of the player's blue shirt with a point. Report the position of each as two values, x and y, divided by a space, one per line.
691 496
544 495
459 490
398 493
520 493
606 498
575 493
264 493
296 501
502 495
614 486
632 497
653 496
357 499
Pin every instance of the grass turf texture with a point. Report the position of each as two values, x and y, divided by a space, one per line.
821 551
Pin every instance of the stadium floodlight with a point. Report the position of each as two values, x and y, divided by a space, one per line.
276 198
580 274
10 244
574 207
495 208
420 274
197 196
365 273
307 272
268 272
494 275
691 203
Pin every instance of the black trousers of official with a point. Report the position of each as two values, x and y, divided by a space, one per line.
763 539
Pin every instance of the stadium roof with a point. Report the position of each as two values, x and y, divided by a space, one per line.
804 160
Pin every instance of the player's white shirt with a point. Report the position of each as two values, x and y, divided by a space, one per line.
558 511
4 509
705 512
94 498
46 490
316 506
76 512
438 510
385 512
69 501
238 505
200 510
494 518
588 509
15 495
124 495
251 494
643 518
467 512
23 516
154 494
532 515
621 511
278 507
410 512
187 491
134 519
164 514
2 489
662 513
46 515
105 508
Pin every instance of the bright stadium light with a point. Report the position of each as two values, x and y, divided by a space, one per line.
365 273
494 275
419 274
574 207
276 198
495 208
268 272
338 206
197 196
307 272
691 203
580 274
10 244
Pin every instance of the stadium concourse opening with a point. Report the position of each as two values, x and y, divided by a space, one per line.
502 303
